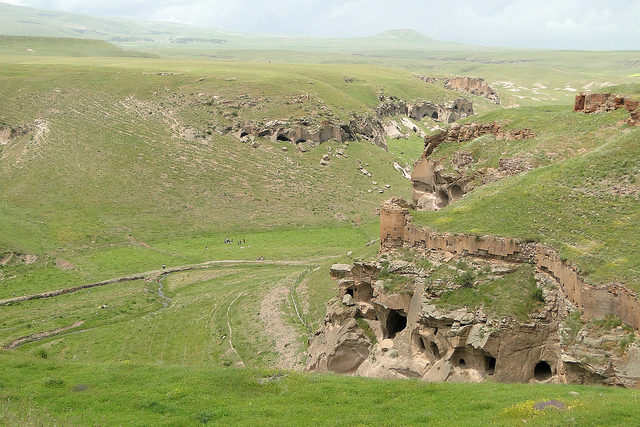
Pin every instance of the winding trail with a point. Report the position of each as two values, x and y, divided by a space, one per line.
231 331
40 335
294 298
151 275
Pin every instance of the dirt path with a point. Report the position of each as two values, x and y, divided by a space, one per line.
277 327
231 331
152 274
302 293
40 335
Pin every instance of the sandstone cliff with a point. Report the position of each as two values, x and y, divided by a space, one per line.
603 102
434 189
304 133
473 85
379 328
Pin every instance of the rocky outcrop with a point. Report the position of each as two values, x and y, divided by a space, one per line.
473 85
7 133
372 330
470 131
446 113
397 230
434 189
304 133
603 102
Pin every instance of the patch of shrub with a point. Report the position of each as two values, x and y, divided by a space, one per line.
538 295
41 353
80 387
207 416
465 280
53 382
362 324
609 322
157 407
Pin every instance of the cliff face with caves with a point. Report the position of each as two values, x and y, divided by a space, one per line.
374 330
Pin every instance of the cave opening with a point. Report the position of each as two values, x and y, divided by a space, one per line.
396 322
542 371
283 138
490 365
443 199
243 134
301 140
456 192
349 291
435 350
434 115
461 362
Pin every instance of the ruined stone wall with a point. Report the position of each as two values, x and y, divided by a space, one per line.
593 301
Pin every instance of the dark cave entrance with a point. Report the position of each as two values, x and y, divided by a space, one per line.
396 322
490 365
542 371
456 192
443 199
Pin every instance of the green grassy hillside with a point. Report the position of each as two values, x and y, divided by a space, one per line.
113 165
582 199
34 391
51 46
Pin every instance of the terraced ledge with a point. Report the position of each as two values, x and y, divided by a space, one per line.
41 335
148 275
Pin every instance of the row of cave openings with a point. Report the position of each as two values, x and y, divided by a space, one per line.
396 322
541 372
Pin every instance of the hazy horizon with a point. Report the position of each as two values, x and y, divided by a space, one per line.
573 24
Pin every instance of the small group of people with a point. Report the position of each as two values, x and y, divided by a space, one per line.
230 241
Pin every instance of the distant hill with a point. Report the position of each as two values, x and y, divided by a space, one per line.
26 21
61 46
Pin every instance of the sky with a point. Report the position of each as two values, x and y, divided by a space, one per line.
556 24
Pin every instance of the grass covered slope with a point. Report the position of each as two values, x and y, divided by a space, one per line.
583 200
105 156
52 46
79 393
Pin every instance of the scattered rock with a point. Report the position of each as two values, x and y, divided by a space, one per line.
63 264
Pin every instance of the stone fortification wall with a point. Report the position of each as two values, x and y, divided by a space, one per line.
397 230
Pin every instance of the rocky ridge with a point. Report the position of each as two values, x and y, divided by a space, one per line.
375 330
434 188
603 102
473 85
305 132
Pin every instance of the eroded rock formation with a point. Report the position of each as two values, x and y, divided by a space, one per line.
373 330
603 102
446 113
434 188
473 85
304 133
